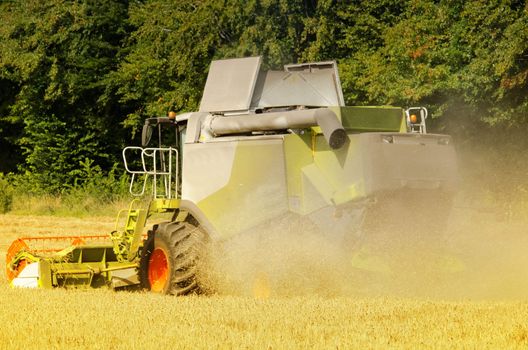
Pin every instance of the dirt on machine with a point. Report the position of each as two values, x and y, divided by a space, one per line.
264 148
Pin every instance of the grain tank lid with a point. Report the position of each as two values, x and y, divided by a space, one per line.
230 85
238 86
308 84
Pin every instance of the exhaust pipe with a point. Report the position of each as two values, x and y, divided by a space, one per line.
333 131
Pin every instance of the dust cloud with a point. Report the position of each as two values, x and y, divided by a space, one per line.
475 253
480 258
282 262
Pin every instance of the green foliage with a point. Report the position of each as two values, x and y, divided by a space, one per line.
173 44
106 186
77 78
94 193
448 54
6 195
57 57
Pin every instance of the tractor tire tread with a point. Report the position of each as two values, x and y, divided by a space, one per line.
186 243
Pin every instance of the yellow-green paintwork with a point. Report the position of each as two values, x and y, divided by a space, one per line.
240 182
297 172
318 175
368 118
92 266
161 205
255 191
298 154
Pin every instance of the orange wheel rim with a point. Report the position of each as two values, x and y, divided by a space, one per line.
158 270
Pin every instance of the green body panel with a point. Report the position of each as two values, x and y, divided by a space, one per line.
369 118
315 173
296 173
255 191
341 168
162 205
45 275
298 155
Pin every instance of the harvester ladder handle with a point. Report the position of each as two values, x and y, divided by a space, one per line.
152 154
129 210
135 172
168 178
166 184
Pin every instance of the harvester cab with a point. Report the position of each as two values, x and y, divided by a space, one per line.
264 147
166 131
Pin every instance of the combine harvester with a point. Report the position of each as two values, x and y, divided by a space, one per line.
264 147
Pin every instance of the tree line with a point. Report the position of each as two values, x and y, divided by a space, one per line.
77 78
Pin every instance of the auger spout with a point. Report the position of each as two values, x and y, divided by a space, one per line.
333 131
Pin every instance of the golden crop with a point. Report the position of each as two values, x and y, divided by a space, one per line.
103 319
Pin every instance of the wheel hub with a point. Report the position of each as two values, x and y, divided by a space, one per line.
158 270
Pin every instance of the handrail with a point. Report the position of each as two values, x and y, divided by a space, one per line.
161 165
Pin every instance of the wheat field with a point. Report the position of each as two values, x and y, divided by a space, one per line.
104 319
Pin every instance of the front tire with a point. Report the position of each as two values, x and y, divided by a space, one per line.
172 258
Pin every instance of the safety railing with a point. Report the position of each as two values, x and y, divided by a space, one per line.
159 167
415 117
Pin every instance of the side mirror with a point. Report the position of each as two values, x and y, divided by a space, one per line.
146 134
